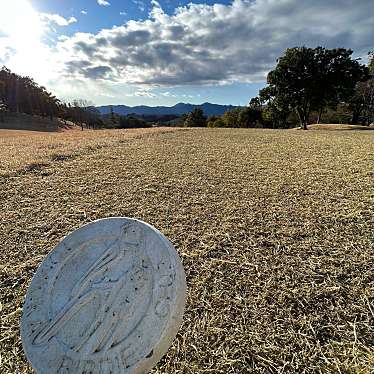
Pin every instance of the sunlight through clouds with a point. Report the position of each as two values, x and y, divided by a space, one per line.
15 17
21 45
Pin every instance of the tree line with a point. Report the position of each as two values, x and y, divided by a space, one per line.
306 84
23 95
117 121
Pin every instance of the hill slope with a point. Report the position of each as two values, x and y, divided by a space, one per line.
178 109
22 121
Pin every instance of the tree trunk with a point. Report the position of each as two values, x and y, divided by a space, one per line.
355 117
319 116
303 117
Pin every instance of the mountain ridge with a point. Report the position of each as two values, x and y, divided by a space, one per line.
209 109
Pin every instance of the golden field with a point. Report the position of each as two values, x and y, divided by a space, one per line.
275 229
20 149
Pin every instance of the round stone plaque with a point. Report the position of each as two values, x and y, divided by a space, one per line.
108 299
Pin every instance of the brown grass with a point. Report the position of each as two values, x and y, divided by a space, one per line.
275 229
21 150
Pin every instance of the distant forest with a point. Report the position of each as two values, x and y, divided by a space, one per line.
307 86
23 95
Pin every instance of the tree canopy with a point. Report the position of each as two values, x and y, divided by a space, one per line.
307 79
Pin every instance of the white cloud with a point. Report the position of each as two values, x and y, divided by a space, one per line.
84 12
144 93
103 2
199 44
122 13
57 19
217 44
140 4
168 94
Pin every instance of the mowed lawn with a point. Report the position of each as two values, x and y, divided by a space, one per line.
275 229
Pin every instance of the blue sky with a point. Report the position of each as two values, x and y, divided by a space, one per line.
99 17
164 52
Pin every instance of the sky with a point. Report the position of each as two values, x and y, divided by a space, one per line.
163 52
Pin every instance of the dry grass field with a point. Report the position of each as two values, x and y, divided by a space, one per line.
275 229
25 150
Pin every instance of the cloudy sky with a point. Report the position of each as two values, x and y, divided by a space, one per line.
168 51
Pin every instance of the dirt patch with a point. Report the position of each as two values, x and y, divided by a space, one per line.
275 229
334 127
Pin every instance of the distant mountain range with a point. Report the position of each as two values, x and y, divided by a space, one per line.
178 109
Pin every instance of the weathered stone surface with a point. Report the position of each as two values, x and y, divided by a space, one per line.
108 299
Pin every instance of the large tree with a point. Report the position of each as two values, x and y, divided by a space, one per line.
307 79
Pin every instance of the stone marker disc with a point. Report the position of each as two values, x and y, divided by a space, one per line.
108 299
